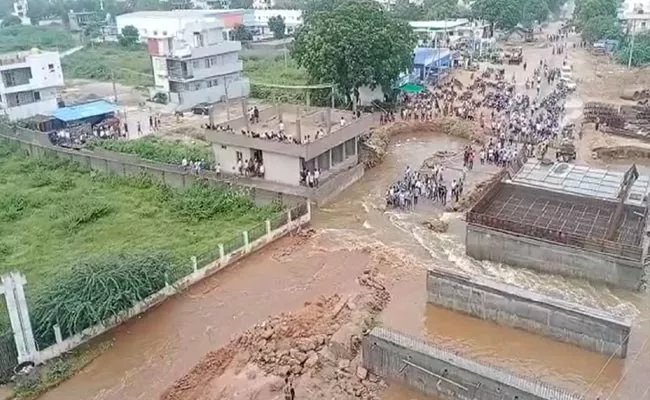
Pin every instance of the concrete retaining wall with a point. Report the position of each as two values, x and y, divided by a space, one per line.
337 184
533 312
435 372
488 244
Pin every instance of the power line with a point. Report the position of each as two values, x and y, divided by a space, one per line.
645 342
611 357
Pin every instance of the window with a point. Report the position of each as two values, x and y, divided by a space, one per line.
164 33
50 67
643 25
196 64
207 63
155 33
37 96
239 155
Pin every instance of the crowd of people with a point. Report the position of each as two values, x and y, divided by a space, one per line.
518 124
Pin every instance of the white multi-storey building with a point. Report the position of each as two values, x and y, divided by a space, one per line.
197 65
28 83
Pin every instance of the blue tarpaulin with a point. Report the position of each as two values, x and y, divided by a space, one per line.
83 111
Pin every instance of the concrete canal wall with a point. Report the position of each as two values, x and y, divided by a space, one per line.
488 244
435 372
507 305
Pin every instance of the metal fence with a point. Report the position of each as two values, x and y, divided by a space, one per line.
8 356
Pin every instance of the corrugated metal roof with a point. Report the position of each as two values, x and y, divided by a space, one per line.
581 180
427 56
81 111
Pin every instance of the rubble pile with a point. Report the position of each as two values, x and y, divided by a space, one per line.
318 345
373 147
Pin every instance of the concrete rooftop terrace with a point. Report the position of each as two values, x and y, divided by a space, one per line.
299 122
581 181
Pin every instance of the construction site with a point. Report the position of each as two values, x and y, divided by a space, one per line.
587 235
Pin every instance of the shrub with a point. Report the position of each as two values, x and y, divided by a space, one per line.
96 289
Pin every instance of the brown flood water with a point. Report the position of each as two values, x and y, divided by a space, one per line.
152 351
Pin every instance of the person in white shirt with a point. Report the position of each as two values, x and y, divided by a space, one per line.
316 176
217 169
342 122
261 170
184 163
281 127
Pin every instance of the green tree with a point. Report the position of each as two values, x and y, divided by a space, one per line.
246 4
6 7
440 9
242 33
129 36
311 7
277 26
589 9
407 10
11 20
356 44
640 51
601 27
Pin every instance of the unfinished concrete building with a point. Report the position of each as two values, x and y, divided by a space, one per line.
321 138
565 219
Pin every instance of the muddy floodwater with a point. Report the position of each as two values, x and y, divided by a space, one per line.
354 233
530 355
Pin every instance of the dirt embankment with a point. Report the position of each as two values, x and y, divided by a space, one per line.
373 148
622 152
468 199
319 345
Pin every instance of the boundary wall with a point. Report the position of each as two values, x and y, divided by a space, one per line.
225 259
400 358
262 192
507 305
485 243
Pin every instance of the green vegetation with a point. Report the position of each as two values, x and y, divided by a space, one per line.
96 289
273 70
131 65
55 214
508 14
277 26
58 370
356 44
640 53
26 37
161 150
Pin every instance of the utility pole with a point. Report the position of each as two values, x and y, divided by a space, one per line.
286 58
114 86
225 80
629 60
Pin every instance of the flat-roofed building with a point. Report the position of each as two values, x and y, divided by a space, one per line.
29 82
321 139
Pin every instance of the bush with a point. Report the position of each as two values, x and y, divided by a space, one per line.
202 202
161 150
96 289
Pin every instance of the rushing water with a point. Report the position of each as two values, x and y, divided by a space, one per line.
358 216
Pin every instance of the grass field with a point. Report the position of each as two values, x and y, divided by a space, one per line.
26 37
162 150
54 213
132 67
